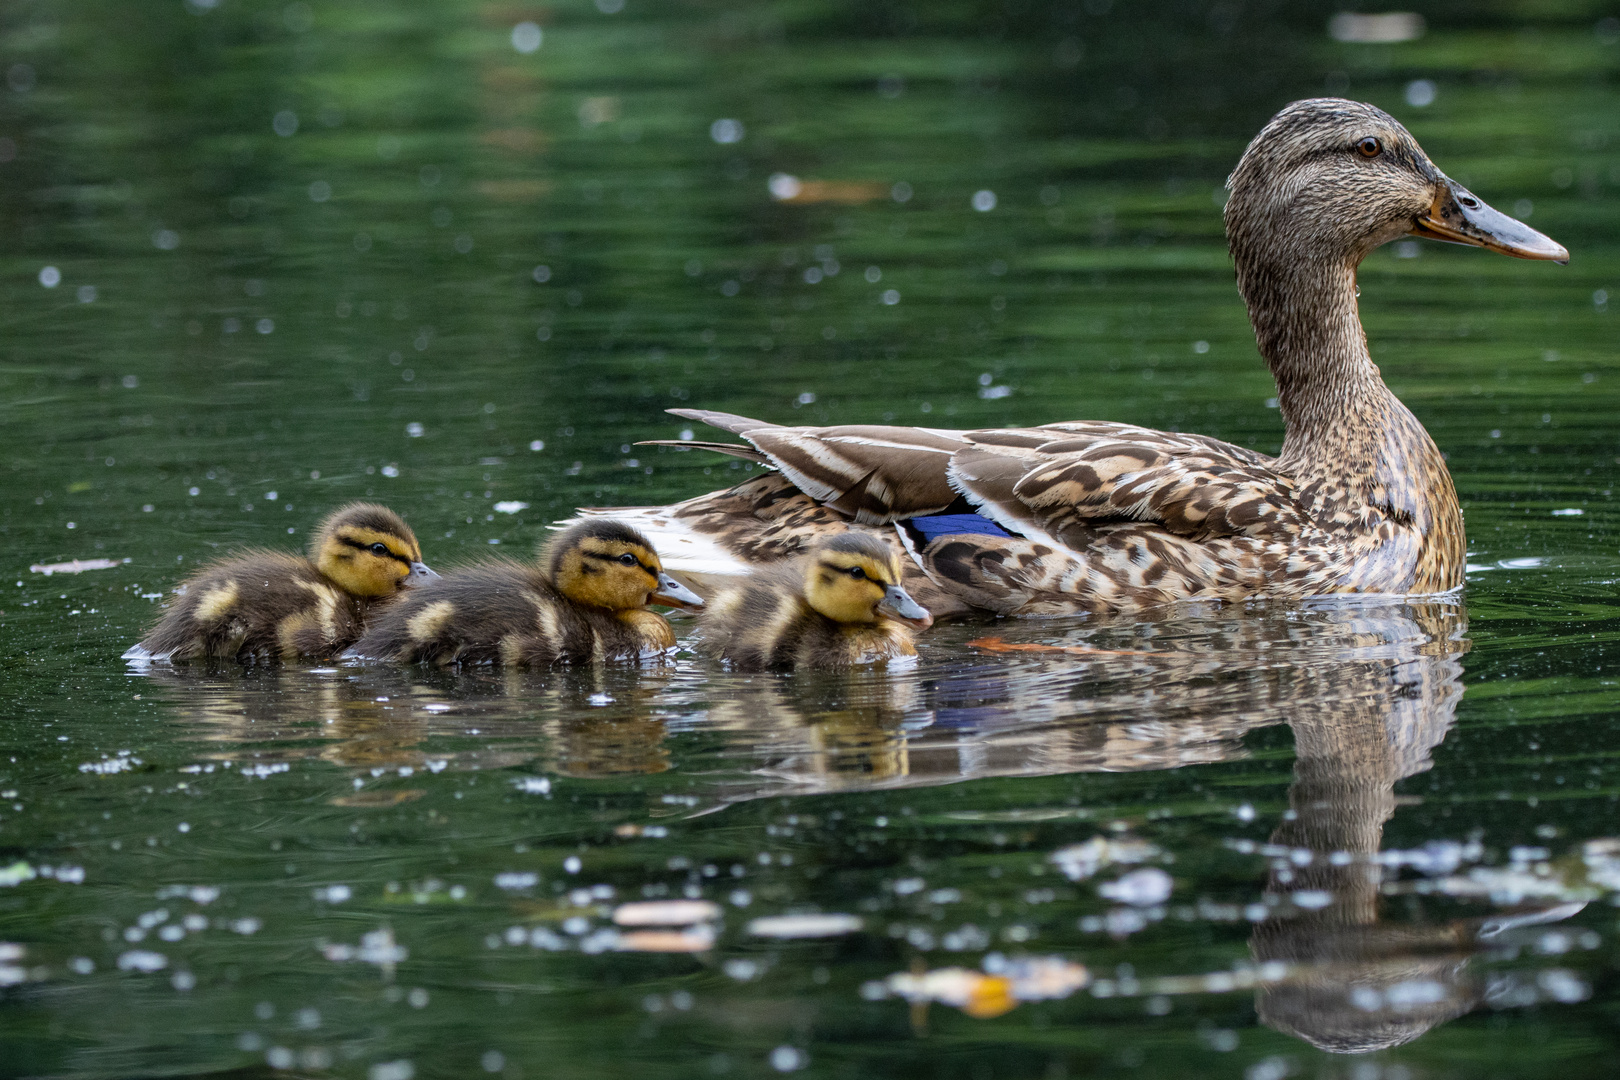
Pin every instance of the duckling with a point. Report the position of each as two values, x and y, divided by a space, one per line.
585 600
266 605
839 605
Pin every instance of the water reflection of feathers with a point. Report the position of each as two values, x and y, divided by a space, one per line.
1125 696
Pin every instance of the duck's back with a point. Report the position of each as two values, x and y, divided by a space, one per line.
263 605
764 622
498 612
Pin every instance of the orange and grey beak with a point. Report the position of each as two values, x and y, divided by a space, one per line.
1458 216
898 605
419 575
672 593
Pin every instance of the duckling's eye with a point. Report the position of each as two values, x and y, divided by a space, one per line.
1369 147
627 559
379 549
857 573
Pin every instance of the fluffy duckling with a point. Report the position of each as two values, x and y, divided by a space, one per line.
839 605
265 605
585 600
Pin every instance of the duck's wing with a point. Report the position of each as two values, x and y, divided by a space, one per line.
1074 484
1058 483
872 474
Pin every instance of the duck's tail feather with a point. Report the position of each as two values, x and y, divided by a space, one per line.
747 453
737 425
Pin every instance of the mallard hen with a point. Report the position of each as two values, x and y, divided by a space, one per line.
1091 515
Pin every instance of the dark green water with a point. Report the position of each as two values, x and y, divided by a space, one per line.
296 251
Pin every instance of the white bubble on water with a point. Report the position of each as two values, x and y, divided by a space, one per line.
788 1059
527 37
1420 93
727 131
50 277
984 200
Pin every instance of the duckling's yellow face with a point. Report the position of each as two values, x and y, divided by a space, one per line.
860 587
608 573
367 554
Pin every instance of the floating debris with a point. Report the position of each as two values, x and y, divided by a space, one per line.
76 566
666 913
690 940
108 766
1002 987
805 926
378 799
17 873
377 947
1080 861
142 960
1139 888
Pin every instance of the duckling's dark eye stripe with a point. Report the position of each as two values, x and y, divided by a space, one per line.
357 545
835 568
615 558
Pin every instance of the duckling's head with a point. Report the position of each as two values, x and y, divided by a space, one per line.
855 578
1328 180
368 550
607 564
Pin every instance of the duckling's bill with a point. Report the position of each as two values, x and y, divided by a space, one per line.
672 593
1458 216
898 605
420 574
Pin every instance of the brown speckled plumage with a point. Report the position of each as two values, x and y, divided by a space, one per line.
1110 516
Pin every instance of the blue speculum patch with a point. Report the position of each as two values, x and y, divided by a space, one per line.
939 525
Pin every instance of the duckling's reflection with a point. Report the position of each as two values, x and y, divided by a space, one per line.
377 720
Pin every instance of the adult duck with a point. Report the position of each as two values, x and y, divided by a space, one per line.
1090 515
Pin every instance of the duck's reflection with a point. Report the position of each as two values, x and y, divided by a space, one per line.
1368 688
1357 983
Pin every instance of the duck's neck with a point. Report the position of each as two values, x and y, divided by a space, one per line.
1357 454
1306 322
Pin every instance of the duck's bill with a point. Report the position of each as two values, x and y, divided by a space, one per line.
420 574
672 593
1458 216
898 605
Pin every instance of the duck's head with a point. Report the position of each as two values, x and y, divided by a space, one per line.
607 564
855 578
1329 180
368 550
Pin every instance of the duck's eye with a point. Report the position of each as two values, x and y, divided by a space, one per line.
857 573
1369 147
379 549
627 559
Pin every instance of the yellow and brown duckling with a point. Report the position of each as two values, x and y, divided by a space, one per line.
269 605
584 601
839 605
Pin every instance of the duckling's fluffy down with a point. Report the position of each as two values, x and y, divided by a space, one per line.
507 612
261 605
765 622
